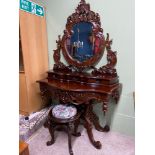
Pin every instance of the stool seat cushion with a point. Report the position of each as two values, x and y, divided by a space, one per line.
64 111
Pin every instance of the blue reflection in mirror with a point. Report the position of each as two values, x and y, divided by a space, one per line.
81 47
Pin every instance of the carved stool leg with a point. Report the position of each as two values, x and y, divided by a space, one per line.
51 128
69 139
46 123
88 126
76 124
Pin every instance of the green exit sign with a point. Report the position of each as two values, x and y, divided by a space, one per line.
31 7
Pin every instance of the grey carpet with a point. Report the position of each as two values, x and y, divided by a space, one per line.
113 143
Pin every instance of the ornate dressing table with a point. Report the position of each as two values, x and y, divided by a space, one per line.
80 82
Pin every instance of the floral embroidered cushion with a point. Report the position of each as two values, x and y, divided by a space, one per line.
64 111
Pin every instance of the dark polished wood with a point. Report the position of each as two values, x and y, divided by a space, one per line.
72 83
75 92
53 124
83 14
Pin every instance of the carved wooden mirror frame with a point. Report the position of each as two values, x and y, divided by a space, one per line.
84 14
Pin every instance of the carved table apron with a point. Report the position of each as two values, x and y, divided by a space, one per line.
82 94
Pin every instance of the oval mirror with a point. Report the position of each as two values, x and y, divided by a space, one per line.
81 45
83 41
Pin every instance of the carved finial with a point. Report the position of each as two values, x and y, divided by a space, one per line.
83 1
59 37
108 42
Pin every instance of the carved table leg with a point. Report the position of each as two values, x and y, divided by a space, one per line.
51 128
45 95
88 126
76 124
95 121
105 107
97 125
69 139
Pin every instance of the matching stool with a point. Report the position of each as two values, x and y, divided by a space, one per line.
63 117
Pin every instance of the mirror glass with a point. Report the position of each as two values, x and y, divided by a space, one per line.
82 45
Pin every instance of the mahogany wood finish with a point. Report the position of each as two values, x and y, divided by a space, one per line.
83 14
53 124
73 84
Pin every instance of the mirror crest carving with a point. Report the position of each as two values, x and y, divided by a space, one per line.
83 44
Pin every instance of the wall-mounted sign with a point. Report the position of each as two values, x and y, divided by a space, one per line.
31 7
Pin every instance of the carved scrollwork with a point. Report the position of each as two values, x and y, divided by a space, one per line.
56 54
45 96
111 56
67 96
63 95
59 66
77 97
84 14
82 97
108 69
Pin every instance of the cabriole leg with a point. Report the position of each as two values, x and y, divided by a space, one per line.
69 139
76 124
88 126
51 129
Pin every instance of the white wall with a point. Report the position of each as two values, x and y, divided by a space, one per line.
117 18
